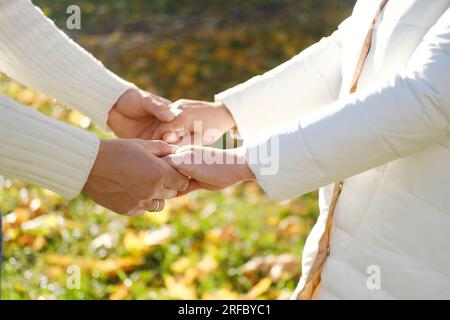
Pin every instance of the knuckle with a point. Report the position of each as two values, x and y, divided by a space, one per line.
184 104
156 181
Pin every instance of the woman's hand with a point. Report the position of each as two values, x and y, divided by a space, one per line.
196 123
211 169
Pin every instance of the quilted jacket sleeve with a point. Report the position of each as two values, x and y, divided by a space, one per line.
363 131
301 85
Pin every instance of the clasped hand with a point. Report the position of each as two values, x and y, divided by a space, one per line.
139 172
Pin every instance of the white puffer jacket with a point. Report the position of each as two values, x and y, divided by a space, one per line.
389 142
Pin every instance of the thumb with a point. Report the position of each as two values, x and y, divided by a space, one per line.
158 107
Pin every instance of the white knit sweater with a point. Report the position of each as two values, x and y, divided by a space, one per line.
34 147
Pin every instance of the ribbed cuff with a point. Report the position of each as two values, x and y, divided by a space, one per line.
98 110
44 151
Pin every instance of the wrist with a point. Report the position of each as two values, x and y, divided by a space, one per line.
225 115
244 171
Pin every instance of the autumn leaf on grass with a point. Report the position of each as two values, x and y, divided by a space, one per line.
20 226
140 243
217 236
276 267
180 265
222 294
207 265
292 227
259 289
52 197
179 289
272 220
213 236
110 267
36 243
122 291
107 240
44 225
79 120
17 217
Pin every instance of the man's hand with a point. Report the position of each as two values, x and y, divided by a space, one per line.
209 168
138 114
129 177
196 122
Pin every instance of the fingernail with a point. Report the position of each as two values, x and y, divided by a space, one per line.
171 137
175 110
168 114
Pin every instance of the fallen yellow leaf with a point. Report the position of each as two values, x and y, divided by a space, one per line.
180 265
179 290
222 294
259 289
207 265
111 266
140 243
43 225
121 293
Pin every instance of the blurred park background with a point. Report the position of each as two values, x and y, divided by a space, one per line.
236 244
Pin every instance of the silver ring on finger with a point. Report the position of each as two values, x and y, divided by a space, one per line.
151 206
158 206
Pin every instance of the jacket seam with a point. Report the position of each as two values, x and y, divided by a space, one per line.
378 134
366 213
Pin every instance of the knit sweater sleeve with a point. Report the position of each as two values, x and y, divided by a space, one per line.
44 151
34 147
36 53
